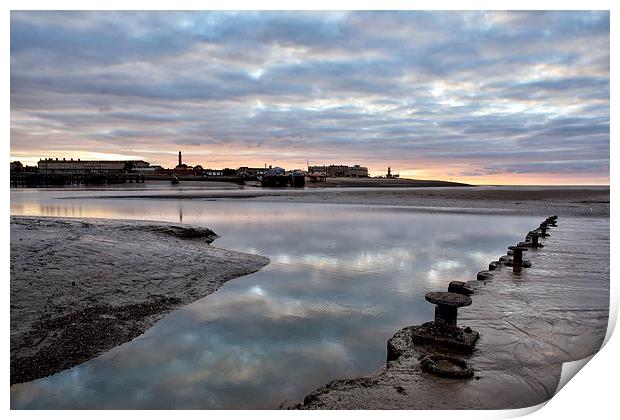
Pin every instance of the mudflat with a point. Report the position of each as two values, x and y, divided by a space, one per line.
544 200
566 201
80 287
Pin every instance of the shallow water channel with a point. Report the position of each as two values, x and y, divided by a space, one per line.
342 280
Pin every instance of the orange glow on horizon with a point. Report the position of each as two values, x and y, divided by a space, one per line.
410 170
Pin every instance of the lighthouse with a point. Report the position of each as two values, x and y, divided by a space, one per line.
180 158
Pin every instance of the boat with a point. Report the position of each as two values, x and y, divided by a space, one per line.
275 177
317 176
278 177
299 178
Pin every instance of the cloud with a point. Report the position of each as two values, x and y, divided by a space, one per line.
442 91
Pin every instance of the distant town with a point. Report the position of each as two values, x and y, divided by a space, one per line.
55 171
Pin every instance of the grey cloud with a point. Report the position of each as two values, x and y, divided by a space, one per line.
452 87
557 167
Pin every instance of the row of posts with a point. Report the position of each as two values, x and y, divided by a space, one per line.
446 303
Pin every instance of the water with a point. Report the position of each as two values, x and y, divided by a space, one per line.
342 280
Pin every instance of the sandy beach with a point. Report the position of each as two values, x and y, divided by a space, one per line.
348 182
564 201
80 287
582 201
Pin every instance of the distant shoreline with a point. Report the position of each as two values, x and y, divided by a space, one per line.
565 201
383 182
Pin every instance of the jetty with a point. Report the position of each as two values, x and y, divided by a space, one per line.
43 179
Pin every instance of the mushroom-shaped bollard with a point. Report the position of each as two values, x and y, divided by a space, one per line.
517 254
459 287
532 239
484 275
543 228
551 221
494 265
446 305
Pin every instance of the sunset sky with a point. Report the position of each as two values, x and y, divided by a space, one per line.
479 97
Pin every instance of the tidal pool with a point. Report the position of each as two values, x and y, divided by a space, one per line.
342 280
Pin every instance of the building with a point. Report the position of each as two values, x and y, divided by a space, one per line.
390 175
182 167
317 169
357 171
335 171
247 172
90 166
16 166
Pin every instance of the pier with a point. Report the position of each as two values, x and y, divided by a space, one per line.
42 179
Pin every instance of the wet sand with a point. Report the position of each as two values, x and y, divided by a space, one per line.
80 287
382 182
563 201
529 324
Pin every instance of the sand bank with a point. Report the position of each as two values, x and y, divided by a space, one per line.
563 201
382 182
80 287
529 324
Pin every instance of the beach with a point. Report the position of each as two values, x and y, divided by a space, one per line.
80 287
272 209
577 201
568 201
569 326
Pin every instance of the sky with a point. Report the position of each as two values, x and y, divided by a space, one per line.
477 97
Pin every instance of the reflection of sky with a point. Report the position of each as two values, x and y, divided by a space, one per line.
341 281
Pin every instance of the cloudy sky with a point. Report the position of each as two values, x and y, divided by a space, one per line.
516 98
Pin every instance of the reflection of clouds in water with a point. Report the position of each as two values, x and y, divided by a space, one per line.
257 291
258 304
440 271
342 280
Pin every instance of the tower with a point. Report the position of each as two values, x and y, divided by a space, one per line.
180 159
389 174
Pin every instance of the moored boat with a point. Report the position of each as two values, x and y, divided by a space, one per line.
278 177
299 178
275 177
